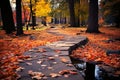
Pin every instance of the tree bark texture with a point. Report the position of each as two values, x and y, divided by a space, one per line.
19 17
93 17
72 13
7 16
77 13
33 15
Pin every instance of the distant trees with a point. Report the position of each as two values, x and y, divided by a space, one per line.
78 11
83 12
7 17
111 11
59 11
63 12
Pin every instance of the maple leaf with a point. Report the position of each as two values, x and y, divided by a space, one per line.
36 74
28 63
58 51
54 62
41 50
56 55
64 60
50 68
39 62
43 65
54 75
63 72
51 58
20 69
70 65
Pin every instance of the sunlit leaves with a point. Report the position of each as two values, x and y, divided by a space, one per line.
42 8
36 75
54 75
63 72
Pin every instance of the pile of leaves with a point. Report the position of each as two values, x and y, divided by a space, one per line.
12 48
97 46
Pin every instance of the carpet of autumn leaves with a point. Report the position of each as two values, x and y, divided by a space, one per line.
12 48
98 44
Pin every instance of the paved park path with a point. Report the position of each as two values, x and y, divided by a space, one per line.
52 61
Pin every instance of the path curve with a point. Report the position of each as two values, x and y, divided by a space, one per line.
52 61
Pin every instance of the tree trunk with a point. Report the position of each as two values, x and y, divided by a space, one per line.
34 19
117 21
33 15
65 20
0 18
7 16
72 13
55 20
93 17
19 18
77 12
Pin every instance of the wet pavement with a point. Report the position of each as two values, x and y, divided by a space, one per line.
52 61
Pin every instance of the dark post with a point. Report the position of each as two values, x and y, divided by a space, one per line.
90 71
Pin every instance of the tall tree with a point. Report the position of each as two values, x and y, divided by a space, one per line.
7 16
115 11
32 10
77 12
26 10
19 18
0 18
93 17
72 13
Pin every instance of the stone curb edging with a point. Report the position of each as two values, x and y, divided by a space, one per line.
83 42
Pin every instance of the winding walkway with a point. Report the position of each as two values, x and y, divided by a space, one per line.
52 61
